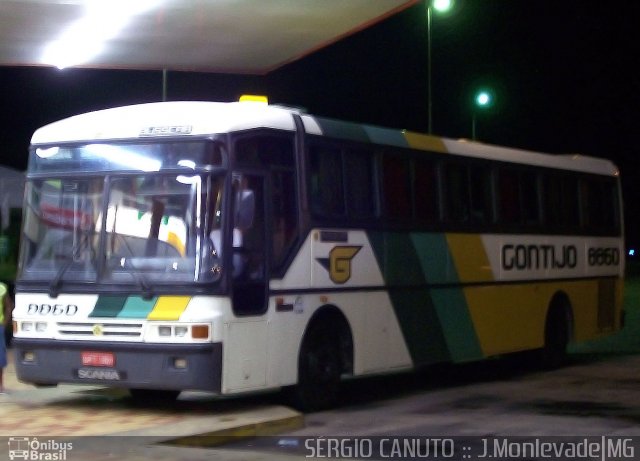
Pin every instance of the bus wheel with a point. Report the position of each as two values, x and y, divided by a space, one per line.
319 370
556 338
153 395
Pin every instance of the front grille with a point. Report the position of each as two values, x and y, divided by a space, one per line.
100 329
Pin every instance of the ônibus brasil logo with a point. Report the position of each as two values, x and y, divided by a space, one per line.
30 448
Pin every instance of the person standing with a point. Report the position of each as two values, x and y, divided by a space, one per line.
6 306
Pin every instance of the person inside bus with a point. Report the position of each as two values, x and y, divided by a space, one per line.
216 239
215 235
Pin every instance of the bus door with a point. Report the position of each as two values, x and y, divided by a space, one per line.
246 354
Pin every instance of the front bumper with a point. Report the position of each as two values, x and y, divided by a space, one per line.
136 365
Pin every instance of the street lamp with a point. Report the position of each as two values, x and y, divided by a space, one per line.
441 6
483 99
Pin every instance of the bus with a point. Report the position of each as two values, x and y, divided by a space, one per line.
242 246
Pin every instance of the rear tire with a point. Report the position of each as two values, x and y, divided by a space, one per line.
556 339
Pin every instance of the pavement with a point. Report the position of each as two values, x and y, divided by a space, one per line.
597 395
103 423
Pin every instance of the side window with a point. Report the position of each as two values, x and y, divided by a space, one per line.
552 208
325 182
570 203
284 215
425 189
361 198
248 242
518 202
599 205
610 207
264 151
509 208
275 153
561 201
456 193
530 197
396 191
480 195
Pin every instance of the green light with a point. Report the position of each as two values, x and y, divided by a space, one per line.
483 99
442 5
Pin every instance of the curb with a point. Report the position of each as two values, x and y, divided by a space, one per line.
234 434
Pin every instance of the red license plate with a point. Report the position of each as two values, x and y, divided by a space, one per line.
98 359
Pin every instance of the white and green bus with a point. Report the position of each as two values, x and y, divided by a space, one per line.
241 247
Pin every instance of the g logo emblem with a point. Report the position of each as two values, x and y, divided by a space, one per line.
338 264
97 330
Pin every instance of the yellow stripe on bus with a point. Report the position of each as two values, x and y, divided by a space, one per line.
509 318
425 142
169 308
470 258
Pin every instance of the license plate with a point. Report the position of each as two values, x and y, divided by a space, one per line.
98 359
100 374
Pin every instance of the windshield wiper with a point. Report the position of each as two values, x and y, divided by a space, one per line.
139 278
54 286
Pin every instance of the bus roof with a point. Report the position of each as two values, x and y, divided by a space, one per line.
195 118
184 117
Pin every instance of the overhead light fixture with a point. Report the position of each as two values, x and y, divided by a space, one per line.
87 37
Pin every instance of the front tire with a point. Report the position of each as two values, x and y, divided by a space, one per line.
319 370
147 396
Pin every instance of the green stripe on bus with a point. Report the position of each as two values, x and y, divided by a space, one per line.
420 325
108 306
451 306
137 308
435 258
457 326
397 258
435 322
409 296
344 130
386 136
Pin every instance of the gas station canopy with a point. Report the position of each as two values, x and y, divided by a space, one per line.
224 36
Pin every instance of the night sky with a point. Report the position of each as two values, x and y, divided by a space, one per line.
562 72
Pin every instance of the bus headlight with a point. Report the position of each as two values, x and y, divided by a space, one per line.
30 327
183 332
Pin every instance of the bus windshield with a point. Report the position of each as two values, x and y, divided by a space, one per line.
143 229
147 157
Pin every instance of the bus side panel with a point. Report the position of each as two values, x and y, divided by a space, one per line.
335 268
509 316
379 344
245 354
420 298
420 274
